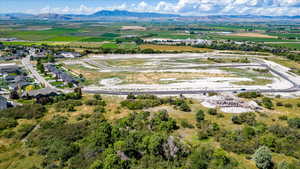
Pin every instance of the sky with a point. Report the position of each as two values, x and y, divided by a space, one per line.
182 7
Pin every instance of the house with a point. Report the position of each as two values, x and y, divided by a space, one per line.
45 92
3 103
70 54
61 74
9 68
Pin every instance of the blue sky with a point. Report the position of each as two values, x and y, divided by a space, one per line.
183 7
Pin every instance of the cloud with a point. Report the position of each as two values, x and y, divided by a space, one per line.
197 7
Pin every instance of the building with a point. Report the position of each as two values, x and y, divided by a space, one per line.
45 92
3 103
69 55
61 74
9 68
179 41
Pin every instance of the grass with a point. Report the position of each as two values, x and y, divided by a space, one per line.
66 39
244 73
166 48
256 81
57 83
110 45
127 62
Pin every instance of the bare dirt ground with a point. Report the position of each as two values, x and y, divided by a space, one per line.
257 35
133 28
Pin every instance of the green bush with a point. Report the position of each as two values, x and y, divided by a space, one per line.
6 123
249 95
294 122
267 103
212 111
248 118
185 124
200 116
288 105
263 158
29 111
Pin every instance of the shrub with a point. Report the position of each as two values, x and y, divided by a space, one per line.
29 111
288 105
185 124
284 117
249 95
263 158
8 133
294 122
200 116
68 105
202 134
24 130
267 103
97 97
99 109
248 118
279 104
6 123
212 112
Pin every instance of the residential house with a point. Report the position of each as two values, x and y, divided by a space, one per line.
61 74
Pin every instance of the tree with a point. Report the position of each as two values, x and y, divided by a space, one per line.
200 116
263 158
14 95
40 66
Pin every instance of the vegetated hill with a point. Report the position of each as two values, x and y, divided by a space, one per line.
123 13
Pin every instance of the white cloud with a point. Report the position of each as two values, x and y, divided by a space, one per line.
198 7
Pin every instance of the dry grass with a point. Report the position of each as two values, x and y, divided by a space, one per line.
174 48
127 62
256 35
256 81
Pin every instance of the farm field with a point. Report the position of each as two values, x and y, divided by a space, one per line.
256 35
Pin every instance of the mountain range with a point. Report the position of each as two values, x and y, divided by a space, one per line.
127 14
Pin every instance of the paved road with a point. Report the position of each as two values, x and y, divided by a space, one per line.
27 64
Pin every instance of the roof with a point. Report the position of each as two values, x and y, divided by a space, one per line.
44 92
61 74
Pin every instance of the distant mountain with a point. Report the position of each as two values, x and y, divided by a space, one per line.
123 13
53 16
127 15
